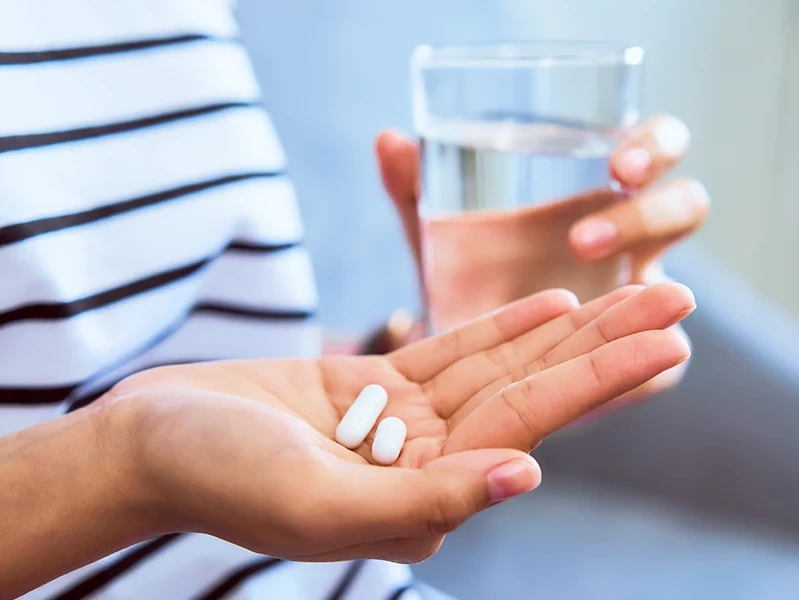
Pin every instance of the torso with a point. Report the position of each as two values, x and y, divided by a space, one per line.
146 218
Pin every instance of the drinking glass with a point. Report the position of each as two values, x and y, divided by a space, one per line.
515 141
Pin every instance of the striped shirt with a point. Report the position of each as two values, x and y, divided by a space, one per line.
146 219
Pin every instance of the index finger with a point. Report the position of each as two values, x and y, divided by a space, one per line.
523 414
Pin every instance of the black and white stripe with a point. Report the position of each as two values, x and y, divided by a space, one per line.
96 581
146 218
240 576
197 329
30 57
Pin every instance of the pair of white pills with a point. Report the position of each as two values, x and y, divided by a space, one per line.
361 417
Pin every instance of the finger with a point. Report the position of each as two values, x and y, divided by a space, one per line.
523 414
366 504
651 150
662 382
398 160
653 308
423 360
652 221
460 387
657 307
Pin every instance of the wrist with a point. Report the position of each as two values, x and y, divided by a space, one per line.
68 498
121 424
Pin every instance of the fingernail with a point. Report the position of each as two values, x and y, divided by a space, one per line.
690 294
672 136
512 479
594 234
633 164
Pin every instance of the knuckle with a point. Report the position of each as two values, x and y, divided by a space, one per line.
596 369
519 399
431 389
452 342
602 328
679 207
636 360
542 363
451 508
670 134
502 323
647 214
576 321
547 361
501 357
506 361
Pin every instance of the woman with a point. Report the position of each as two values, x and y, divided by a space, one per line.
146 220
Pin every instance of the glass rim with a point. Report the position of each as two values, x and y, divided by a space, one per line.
543 54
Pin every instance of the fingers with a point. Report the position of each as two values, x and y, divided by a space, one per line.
523 414
649 151
626 311
653 219
471 379
423 360
367 504
657 307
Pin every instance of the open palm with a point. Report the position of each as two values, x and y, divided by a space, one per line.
502 382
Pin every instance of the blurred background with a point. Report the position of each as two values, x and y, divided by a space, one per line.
692 496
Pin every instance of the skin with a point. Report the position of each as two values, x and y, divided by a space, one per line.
245 450
206 448
515 253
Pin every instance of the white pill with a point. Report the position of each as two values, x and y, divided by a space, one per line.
361 416
389 440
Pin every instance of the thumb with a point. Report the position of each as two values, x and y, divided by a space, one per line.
398 160
460 485
393 502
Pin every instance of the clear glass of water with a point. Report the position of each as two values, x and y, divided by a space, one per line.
513 138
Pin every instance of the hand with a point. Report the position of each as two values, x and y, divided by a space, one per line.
642 226
244 450
519 253
651 220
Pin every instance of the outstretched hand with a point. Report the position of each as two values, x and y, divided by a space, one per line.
245 450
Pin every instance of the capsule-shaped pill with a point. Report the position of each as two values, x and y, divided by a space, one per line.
389 439
361 416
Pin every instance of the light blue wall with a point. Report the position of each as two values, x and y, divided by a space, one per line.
333 73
